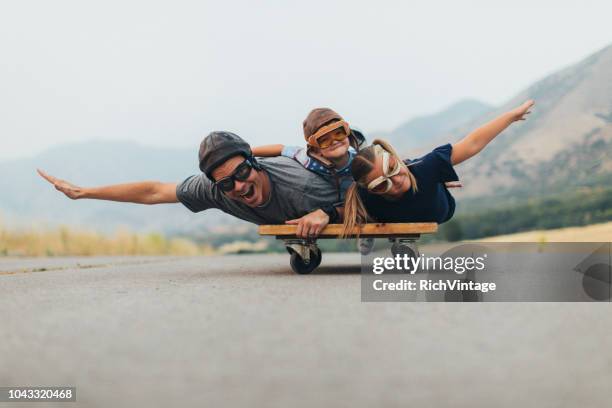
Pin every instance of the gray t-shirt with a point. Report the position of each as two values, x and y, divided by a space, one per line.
294 192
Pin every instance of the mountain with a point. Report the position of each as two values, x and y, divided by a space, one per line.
564 146
565 143
418 132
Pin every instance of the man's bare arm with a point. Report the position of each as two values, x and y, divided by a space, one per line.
145 192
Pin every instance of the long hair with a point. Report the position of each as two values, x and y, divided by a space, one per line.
355 213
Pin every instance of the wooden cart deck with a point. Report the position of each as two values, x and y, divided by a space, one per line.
378 230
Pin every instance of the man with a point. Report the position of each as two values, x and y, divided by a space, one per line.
266 191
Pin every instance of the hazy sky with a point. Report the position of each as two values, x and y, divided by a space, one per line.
167 73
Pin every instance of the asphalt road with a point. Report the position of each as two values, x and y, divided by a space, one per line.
246 331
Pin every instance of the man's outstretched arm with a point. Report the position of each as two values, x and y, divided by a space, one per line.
145 192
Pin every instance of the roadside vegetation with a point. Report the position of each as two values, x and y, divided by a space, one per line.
64 241
578 208
587 206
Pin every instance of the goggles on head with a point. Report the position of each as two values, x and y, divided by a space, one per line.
383 184
325 136
241 173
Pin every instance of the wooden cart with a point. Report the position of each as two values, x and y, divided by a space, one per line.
306 255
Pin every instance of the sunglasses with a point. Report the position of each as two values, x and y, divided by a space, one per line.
383 184
325 136
241 173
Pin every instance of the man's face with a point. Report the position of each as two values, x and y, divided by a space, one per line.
249 191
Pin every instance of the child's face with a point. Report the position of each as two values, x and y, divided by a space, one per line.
338 148
400 183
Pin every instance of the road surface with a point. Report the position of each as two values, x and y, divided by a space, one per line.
246 331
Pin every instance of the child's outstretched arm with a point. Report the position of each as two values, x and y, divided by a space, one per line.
268 150
476 141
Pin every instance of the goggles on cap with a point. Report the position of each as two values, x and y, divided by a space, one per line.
241 173
325 136
383 184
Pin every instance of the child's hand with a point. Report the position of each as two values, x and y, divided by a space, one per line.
523 110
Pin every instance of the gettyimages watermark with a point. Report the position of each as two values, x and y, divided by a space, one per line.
489 272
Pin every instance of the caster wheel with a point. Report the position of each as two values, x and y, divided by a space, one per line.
317 257
401 249
299 266
365 245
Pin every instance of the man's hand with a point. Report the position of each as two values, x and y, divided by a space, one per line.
142 192
71 191
520 112
310 225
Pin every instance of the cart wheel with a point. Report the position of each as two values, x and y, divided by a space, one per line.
400 249
317 257
299 266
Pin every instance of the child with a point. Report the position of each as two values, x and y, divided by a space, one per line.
389 189
331 146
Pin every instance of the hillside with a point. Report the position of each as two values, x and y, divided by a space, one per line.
417 133
563 151
565 144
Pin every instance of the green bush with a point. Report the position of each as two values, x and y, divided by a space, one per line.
587 206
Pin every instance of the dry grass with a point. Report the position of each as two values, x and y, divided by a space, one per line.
590 233
64 241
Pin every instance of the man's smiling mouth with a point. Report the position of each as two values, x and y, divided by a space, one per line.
248 193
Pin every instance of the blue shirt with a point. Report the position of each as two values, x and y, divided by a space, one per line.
345 178
432 202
